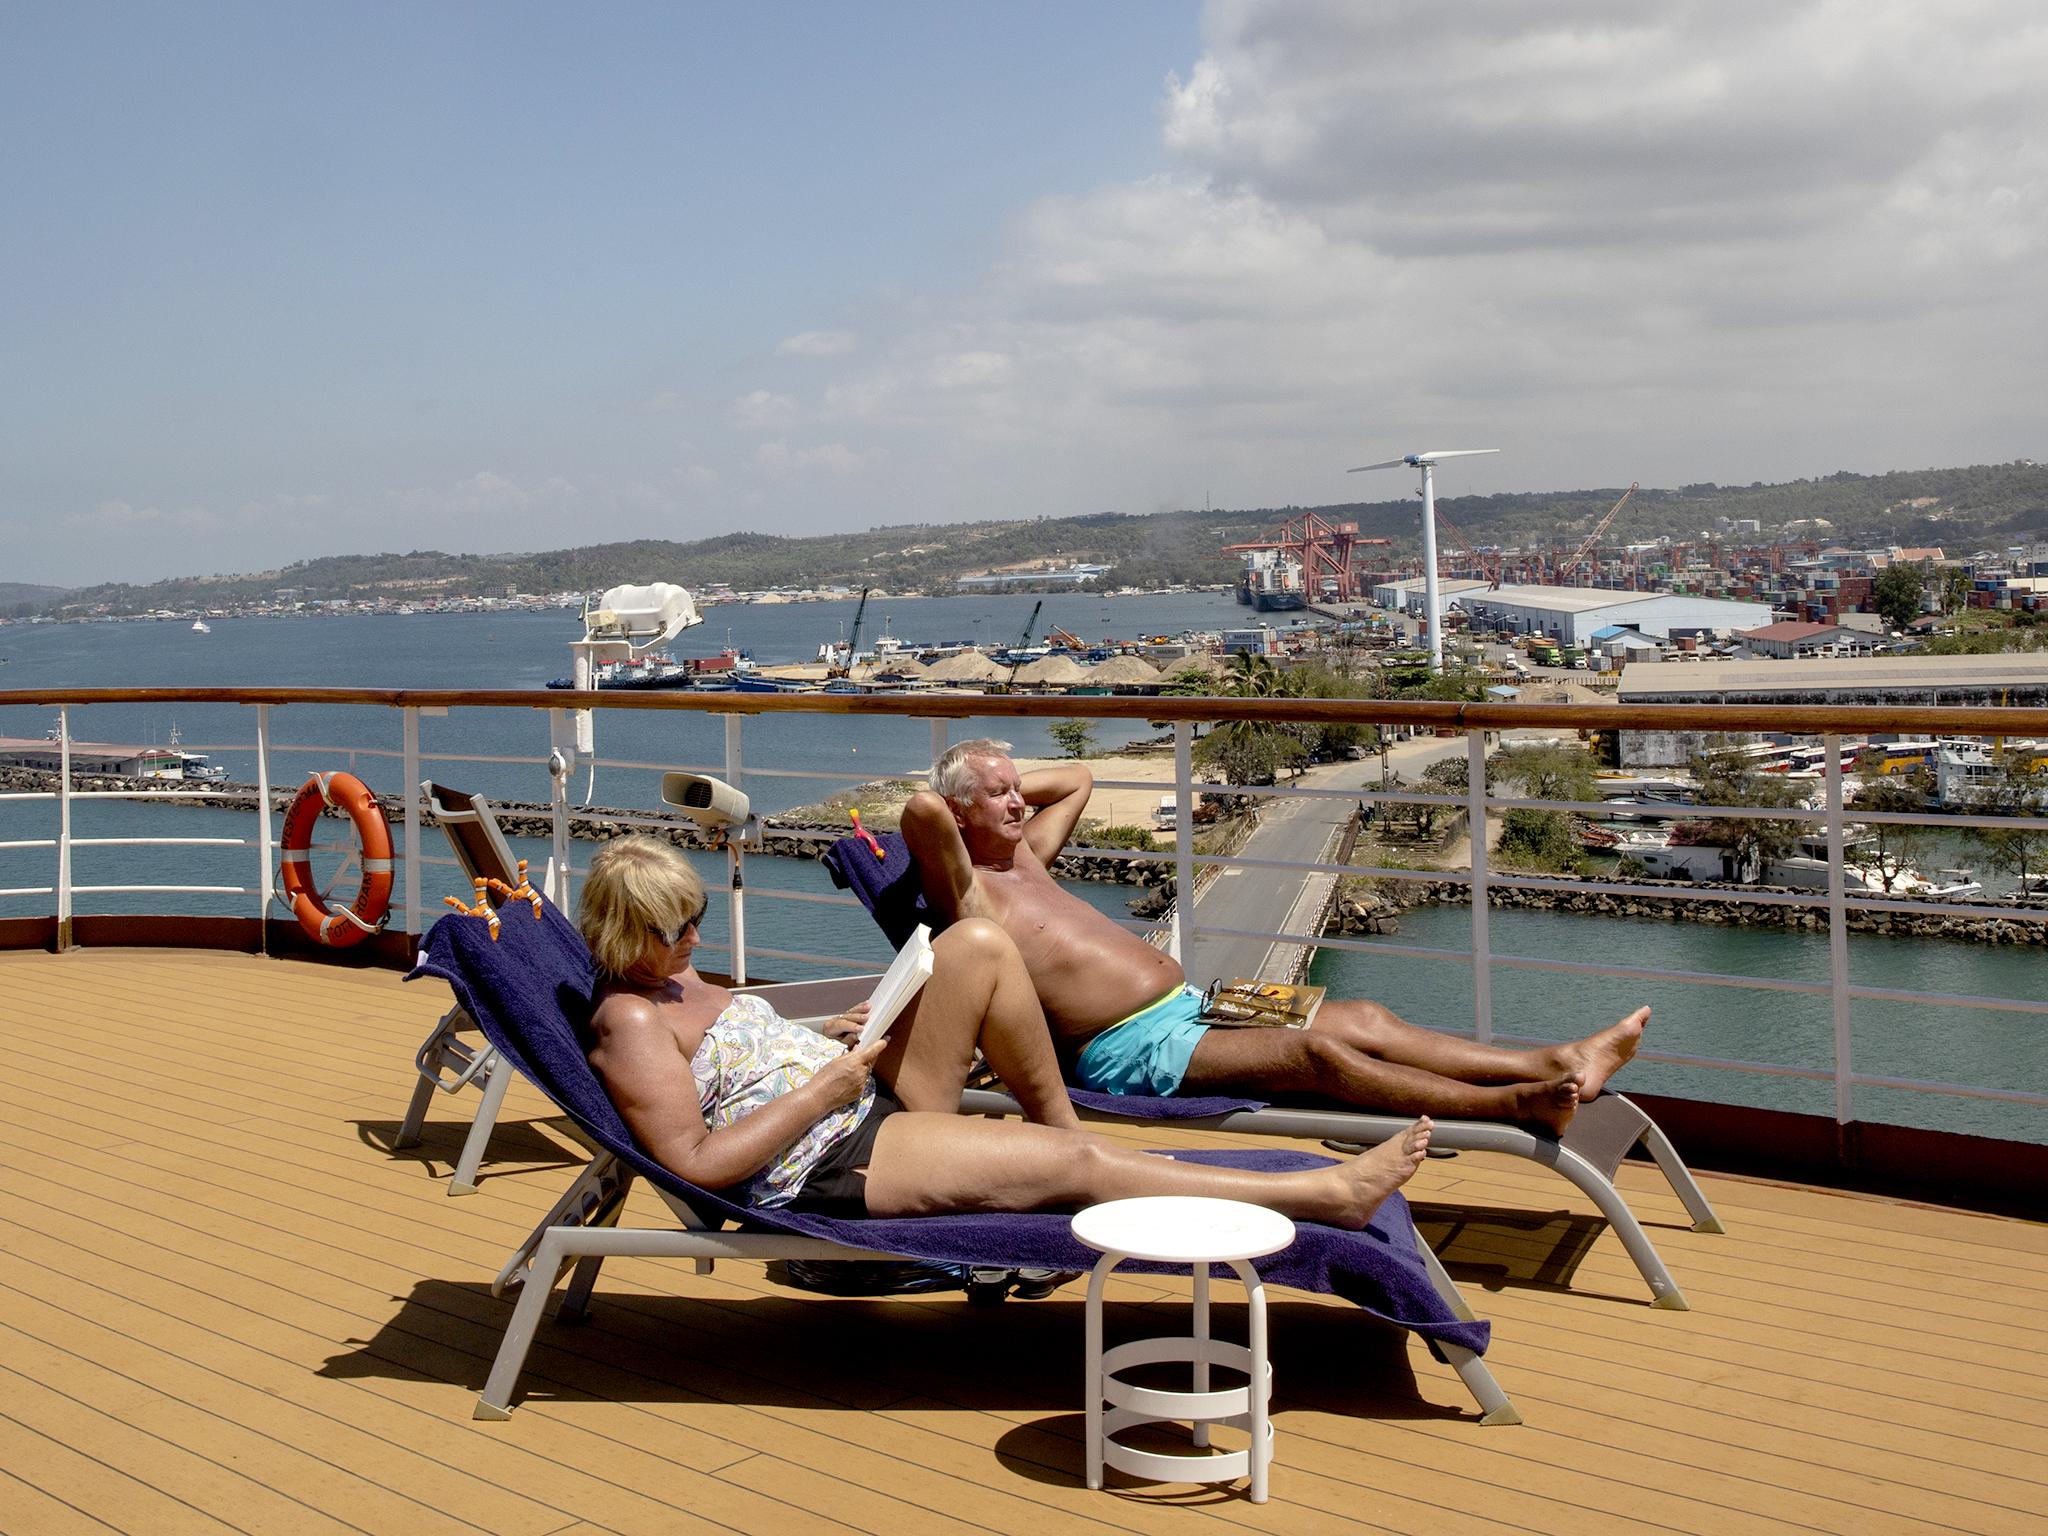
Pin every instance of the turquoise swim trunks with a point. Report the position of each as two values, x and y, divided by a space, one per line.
1147 1052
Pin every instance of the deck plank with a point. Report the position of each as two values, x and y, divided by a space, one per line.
224 1307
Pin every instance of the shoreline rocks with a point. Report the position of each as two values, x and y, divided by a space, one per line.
1358 912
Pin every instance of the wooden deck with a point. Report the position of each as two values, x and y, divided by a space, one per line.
223 1306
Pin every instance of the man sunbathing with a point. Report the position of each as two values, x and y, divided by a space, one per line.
1125 1019
725 1093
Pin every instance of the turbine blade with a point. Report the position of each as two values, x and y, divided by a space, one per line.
1453 453
1390 464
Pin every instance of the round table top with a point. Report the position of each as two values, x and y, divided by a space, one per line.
1183 1229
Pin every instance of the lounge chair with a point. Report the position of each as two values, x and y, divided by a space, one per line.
453 1057
531 991
1600 1137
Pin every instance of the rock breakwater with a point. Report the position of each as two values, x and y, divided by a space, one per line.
1377 911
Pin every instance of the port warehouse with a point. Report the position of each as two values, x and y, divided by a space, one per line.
1999 681
1573 615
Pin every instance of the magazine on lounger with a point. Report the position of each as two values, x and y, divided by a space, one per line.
1271 1004
899 984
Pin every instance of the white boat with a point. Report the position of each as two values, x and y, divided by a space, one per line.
193 765
201 627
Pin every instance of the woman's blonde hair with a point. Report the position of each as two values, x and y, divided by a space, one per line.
635 883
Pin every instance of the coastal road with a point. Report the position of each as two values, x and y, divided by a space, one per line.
1301 831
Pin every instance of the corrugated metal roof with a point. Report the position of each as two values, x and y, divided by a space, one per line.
1667 678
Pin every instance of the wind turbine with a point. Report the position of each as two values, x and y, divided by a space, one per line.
1427 462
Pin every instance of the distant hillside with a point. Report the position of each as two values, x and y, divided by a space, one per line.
18 598
1983 506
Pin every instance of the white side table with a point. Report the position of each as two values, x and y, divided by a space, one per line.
1182 1229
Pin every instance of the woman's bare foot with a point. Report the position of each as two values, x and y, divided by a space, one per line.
1598 1057
1365 1181
1550 1105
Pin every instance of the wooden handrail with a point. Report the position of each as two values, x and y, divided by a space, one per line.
1795 719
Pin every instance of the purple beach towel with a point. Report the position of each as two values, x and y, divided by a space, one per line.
531 994
888 887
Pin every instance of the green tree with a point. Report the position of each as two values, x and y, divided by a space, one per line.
1895 844
1729 780
1247 752
1449 775
2022 790
1896 594
1251 751
1542 840
1556 772
1955 589
1075 737
1539 840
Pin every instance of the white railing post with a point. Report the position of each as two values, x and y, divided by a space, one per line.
1838 926
938 739
733 726
1482 915
412 822
63 827
266 877
1181 941
562 728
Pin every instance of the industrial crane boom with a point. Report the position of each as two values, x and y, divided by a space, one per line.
842 664
1579 555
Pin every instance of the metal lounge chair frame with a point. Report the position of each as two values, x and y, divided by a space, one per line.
454 1055
1593 1146
581 1231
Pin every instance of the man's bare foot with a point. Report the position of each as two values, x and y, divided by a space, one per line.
1598 1057
1550 1105
1367 1180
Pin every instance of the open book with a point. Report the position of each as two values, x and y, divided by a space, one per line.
899 984
1288 1005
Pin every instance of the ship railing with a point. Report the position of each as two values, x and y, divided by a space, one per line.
1479 724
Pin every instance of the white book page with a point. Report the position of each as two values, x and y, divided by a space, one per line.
899 984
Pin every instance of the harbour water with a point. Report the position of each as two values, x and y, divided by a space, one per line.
792 760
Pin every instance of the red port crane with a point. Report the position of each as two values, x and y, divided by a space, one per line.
1579 555
1323 549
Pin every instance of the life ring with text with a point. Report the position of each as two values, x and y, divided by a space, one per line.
329 921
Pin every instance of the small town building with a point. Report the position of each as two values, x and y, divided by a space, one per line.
1794 639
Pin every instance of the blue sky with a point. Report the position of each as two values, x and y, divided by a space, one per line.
278 282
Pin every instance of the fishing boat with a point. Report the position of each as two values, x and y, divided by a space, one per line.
201 627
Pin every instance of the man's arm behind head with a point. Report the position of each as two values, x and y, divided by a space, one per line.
943 867
1060 794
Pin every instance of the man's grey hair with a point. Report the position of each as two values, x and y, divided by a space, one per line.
953 774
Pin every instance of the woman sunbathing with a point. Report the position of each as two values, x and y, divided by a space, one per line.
732 1098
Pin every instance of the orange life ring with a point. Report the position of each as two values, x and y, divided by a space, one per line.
330 922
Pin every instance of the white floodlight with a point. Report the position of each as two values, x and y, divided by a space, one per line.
1426 462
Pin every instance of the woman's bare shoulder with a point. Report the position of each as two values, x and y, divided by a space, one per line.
624 1009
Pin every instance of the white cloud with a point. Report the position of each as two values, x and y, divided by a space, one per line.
817 344
777 460
763 408
667 402
1623 238
115 516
